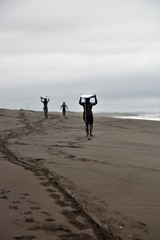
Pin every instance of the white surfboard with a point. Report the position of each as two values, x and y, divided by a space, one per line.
87 95
47 97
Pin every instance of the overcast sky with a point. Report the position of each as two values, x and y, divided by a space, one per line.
63 48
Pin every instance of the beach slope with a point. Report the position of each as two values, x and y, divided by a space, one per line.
57 184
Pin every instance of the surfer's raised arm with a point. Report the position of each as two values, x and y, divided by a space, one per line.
80 101
95 101
42 99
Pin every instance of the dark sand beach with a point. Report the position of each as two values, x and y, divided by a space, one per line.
55 184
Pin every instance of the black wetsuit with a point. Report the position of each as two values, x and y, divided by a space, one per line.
87 114
45 108
64 106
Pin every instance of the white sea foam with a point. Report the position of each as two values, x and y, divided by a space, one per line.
141 116
153 116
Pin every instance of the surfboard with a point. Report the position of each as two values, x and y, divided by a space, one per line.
47 97
87 95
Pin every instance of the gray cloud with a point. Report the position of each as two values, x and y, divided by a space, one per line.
64 48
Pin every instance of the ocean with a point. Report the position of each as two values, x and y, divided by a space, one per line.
152 116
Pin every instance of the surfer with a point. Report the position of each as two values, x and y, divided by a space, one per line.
45 101
64 107
87 114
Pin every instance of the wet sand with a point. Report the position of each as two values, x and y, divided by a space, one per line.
57 184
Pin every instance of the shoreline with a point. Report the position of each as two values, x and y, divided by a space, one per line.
135 115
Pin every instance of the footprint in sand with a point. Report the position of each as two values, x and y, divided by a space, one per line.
47 213
37 174
24 237
15 202
24 194
30 220
49 220
3 197
50 190
28 213
46 184
42 178
35 208
13 207
3 194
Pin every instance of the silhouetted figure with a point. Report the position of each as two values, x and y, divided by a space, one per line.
87 114
64 107
45 101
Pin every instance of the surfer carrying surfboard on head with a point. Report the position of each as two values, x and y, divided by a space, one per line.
64 107
45 101
87 113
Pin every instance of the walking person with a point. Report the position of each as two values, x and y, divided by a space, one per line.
64 107
45 101
87 113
